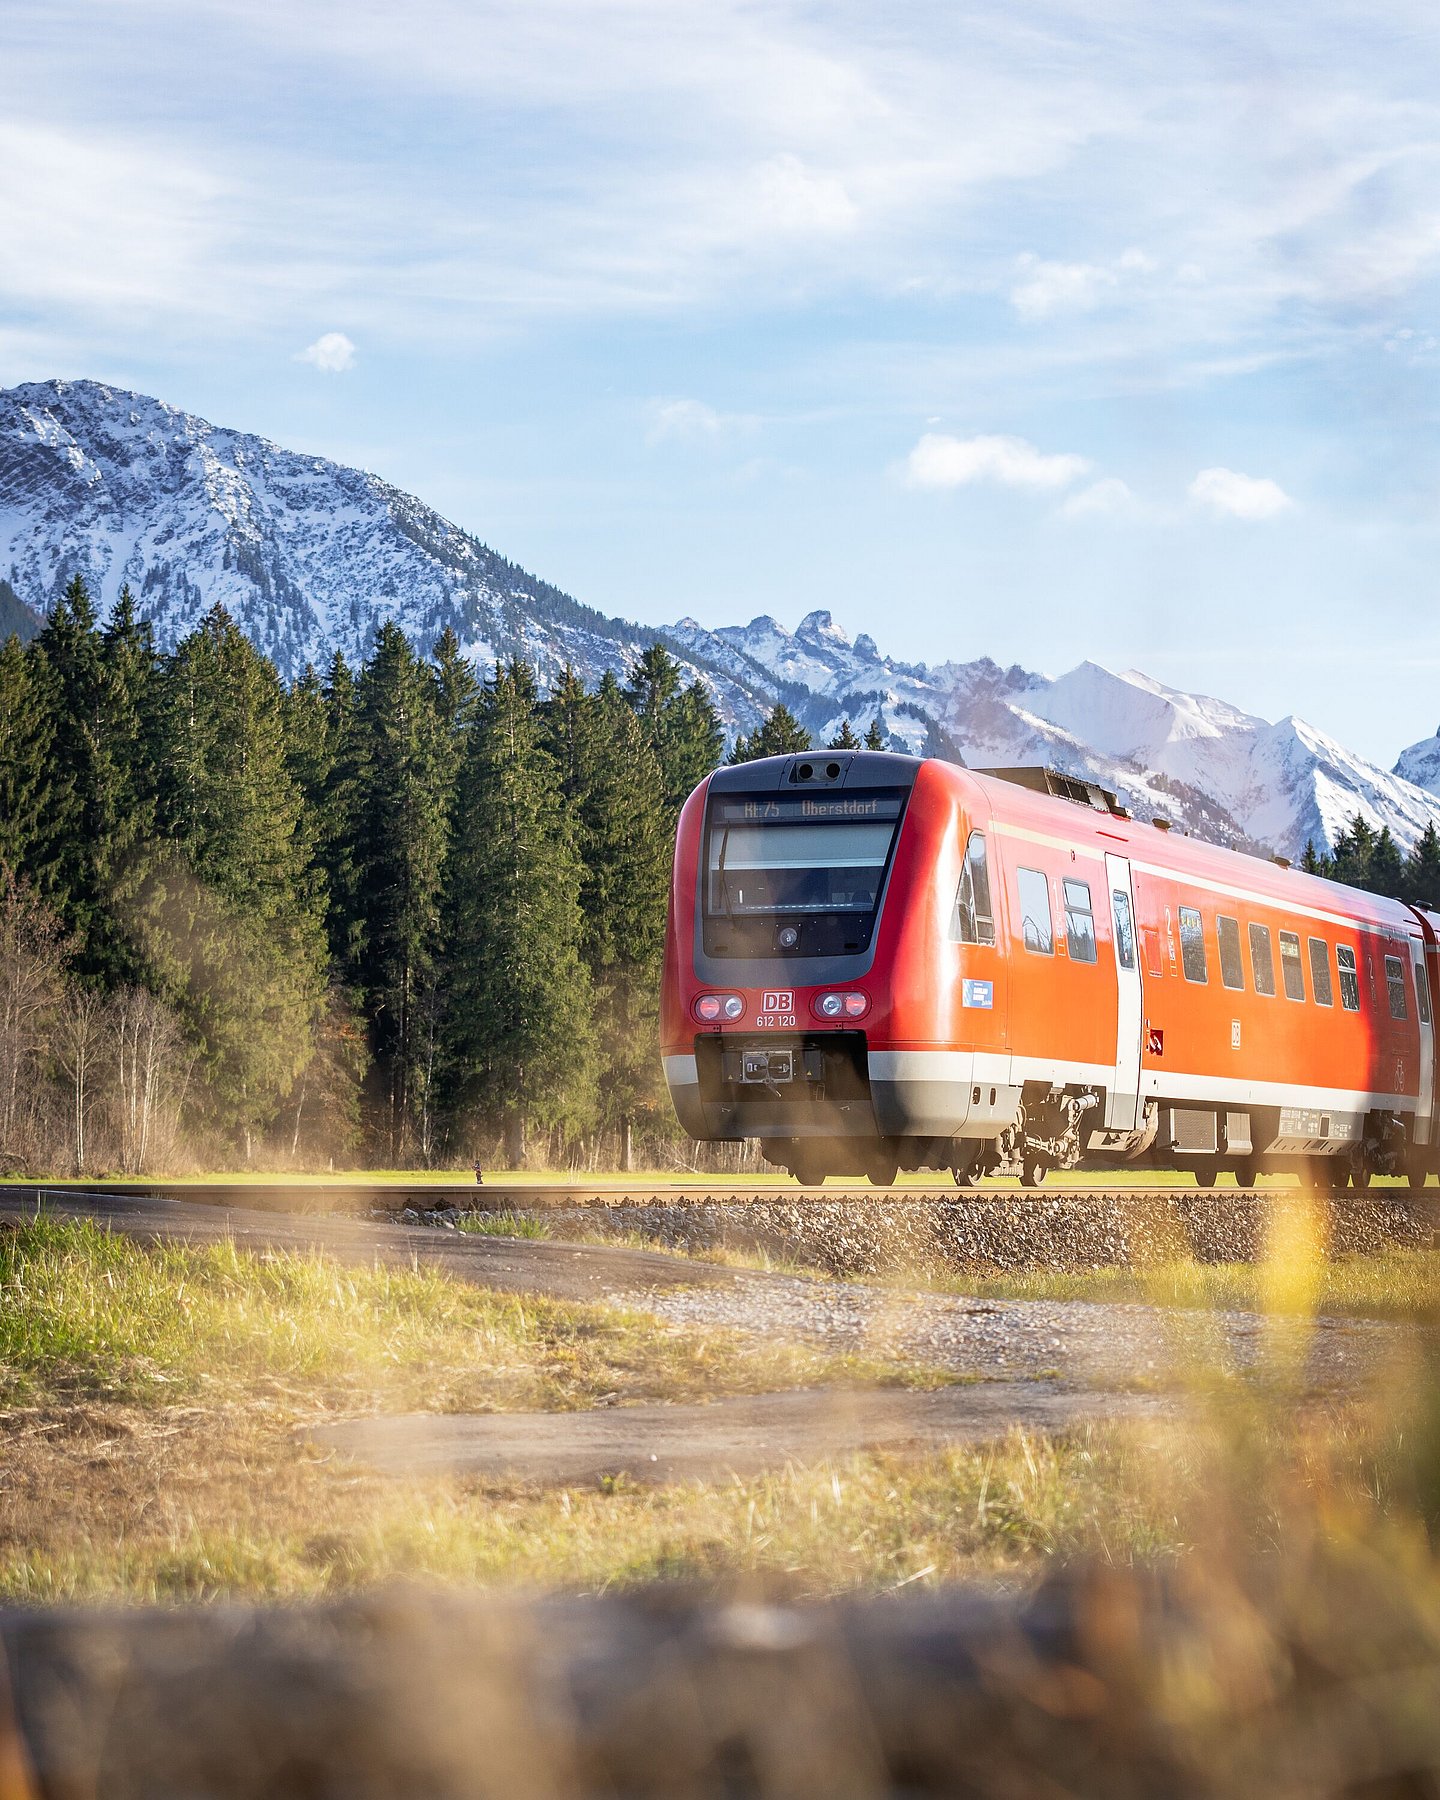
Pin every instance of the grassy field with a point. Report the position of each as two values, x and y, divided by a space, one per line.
150 1400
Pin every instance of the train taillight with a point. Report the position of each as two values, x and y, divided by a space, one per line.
710 1009
841 1006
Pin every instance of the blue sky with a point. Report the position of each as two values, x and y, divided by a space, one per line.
1031 331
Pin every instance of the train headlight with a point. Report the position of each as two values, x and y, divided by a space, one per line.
710 1009
788 936
841 1006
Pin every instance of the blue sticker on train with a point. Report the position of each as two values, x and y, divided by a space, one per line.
979 993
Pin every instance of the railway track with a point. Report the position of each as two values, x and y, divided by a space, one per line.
497 1196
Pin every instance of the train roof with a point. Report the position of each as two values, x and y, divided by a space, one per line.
1146 844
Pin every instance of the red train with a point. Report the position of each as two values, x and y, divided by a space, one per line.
876 963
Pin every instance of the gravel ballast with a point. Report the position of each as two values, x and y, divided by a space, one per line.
993 1231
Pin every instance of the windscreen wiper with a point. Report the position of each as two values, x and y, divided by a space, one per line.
724 879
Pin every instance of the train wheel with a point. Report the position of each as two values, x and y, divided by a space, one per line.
882 1171
807 1165
1247 1172
1032 1171
965 1170
1207 1174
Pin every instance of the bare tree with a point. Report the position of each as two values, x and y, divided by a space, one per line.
32 962
152 1067
80 1042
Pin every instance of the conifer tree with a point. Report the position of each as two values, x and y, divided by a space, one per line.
876 737
1313 863
778 734
309 751
230 919
1422 870
400 810
844 738
518 1026
131 670
337 821
1387 868
26 728
680 724
1353 849
613 786
100 689
456 686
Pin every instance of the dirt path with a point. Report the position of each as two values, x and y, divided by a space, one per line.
744 1437
516 1265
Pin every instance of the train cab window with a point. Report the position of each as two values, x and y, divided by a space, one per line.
1124 929
1192 944
1079 921
1349 978
1395 984
1262 959
1291 971
1232 969
1320 972
1035 923
974 915
1422 994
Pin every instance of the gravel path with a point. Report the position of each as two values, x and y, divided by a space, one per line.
1109 1345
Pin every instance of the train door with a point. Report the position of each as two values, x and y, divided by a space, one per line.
1424 1121
1123 1109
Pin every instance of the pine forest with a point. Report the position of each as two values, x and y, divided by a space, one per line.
398 915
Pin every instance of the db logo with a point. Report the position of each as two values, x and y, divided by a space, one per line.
780 1001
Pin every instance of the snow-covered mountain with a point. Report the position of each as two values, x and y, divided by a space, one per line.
1420 764
310 556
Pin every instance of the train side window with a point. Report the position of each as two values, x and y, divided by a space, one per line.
1262 959
1192 944
1349 978
974 916
1035 924
1422 994
1320 972
1079 921
1124 929
1232 969
1292 972
1395 983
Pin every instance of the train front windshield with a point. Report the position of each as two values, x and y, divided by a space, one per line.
801 860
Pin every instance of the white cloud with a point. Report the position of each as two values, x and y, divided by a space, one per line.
691 422
332 351
795 199
1051 287
940 461
1236 496
1107 499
